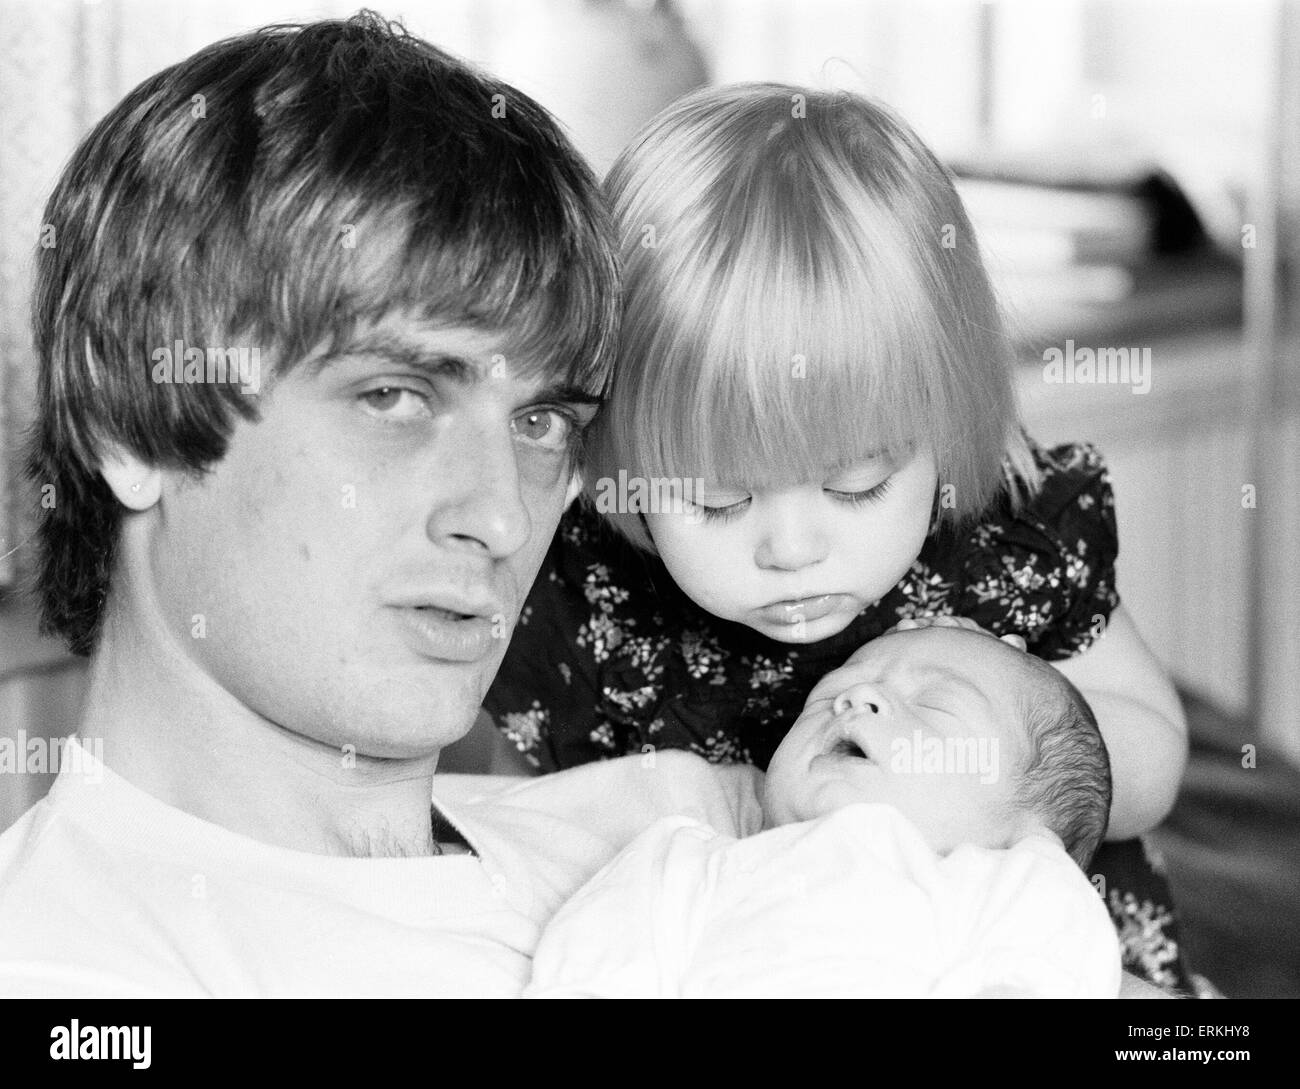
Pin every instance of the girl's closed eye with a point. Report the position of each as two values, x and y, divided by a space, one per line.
717 506
869 495
723 511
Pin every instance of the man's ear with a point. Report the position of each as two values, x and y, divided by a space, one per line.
137 485
575 487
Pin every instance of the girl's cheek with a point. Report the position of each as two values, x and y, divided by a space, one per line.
682 547
705 564
716 557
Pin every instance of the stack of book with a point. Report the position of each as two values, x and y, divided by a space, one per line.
1073 253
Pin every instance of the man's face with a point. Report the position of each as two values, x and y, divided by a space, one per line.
352 569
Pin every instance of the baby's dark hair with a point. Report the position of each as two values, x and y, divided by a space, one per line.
1065 781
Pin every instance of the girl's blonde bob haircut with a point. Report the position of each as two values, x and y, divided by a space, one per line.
803 291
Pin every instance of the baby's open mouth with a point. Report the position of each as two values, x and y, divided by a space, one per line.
847 747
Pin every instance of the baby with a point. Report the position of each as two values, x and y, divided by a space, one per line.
927 822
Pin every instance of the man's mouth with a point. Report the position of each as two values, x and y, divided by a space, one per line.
451 604
445 614
444 635
450 627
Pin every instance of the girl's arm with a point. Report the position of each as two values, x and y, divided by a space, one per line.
1141 720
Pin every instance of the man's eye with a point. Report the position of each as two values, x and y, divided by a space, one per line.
395 402
548 427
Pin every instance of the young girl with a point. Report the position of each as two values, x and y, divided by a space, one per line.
810 436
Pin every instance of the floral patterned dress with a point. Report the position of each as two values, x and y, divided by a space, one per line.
610 657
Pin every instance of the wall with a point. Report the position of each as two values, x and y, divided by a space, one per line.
41 691
1178 462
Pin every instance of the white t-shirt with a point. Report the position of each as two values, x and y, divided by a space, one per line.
106 891
854 904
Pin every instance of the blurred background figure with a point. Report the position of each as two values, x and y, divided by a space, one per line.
1132 168
605 67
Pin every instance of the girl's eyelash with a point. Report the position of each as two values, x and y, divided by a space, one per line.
721 514
855 499
871 495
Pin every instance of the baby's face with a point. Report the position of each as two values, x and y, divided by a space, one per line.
927 721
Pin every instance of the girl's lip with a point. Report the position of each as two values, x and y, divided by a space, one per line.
806 609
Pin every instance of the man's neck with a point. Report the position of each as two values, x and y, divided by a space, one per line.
171 730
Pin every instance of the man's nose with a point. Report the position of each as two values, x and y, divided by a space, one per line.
480 505
861 699
791 538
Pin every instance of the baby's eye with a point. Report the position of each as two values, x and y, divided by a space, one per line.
547 427
940 704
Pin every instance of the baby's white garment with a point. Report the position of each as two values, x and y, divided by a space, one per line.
853 904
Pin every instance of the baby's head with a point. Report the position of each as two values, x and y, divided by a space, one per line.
973 740
813 370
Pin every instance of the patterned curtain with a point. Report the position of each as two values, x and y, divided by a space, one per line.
43 105
63 64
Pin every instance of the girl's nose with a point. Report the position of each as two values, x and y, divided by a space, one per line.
862 699
792 539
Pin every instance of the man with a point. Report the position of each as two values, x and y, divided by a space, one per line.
326 317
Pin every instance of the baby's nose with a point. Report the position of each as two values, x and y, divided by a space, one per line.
860 698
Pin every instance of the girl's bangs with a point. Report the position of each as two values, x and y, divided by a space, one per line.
792 371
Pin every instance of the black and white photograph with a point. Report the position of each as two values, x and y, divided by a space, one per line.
710 499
